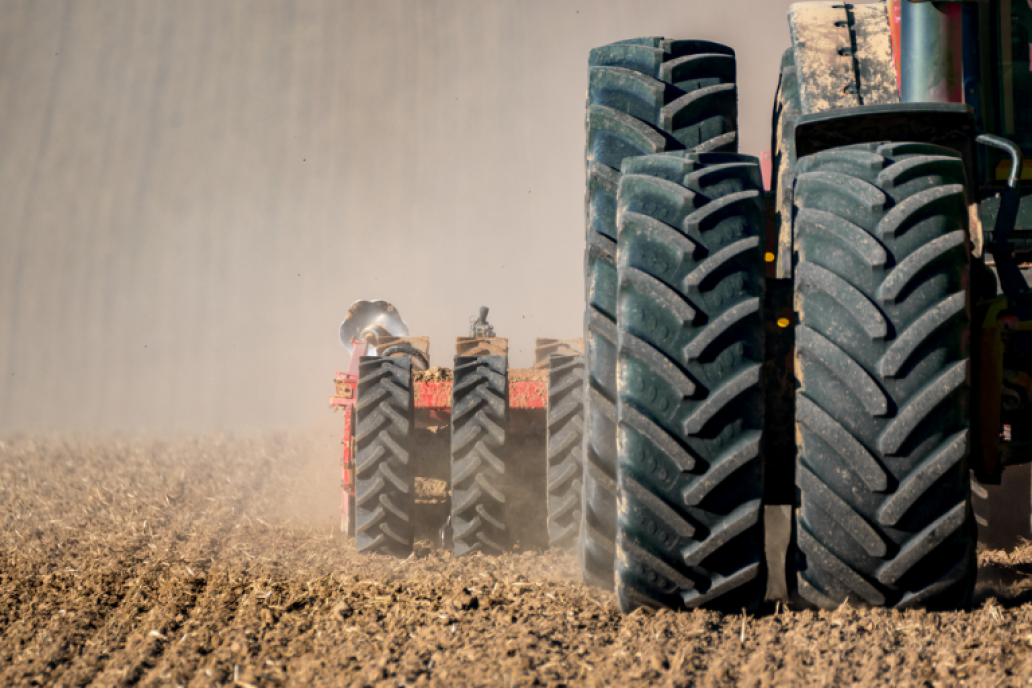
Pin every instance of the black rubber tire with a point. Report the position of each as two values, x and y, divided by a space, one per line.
384 479
980 504
645 96
565 432
690 405
406 350
479 428
787 111
779 438
882 359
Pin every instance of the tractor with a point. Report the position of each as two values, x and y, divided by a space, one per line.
842 326
461 455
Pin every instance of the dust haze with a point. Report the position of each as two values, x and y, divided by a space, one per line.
191 193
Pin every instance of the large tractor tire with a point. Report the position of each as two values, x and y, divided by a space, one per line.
384 479
565 433
479 426
779 389
645 96
786 113
884 516
690 358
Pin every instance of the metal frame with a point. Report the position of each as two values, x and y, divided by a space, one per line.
346 388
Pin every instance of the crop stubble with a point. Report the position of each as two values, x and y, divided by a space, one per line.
216 560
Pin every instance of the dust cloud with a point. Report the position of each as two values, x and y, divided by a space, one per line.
191 193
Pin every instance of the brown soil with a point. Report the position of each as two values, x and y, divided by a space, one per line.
435 374
528 374
429 490
439 374
217 561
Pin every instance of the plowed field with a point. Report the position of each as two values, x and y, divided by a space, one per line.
217 561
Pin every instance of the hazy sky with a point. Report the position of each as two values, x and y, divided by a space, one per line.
192 192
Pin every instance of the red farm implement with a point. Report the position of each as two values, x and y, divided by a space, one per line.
466 453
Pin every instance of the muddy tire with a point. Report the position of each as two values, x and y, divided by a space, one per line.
645 96
787 111
885 514
479 474
565 434
384 480
690 404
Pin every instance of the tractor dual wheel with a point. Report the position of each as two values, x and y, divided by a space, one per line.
787 109
384 478
690 404
565 434
479 428
645 96
884 516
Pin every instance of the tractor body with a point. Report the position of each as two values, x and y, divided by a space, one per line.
840 331
954 74
853 348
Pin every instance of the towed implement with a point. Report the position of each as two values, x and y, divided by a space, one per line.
480 431
845 328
